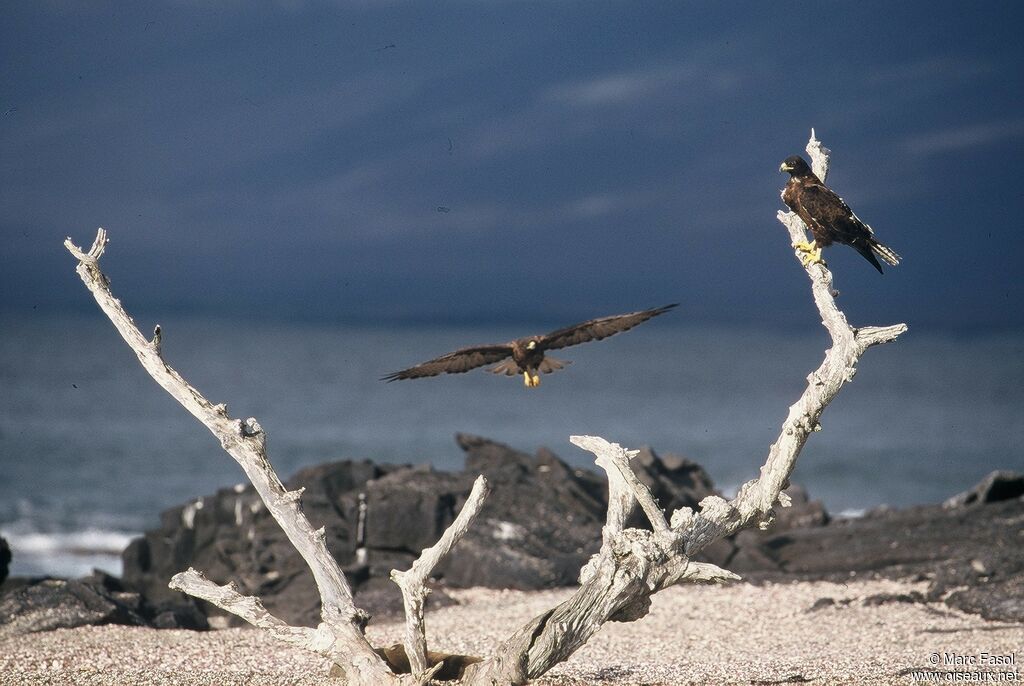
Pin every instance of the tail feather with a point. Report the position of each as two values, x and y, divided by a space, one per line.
507 367
886 253
551 364
864 248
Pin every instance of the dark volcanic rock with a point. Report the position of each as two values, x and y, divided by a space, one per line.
409 509
888 598
381 598
5 559
46 604
674 482
230 536
994 488
803 513
540 524
972 553
750 550
998 600
821 603
58 604
917 540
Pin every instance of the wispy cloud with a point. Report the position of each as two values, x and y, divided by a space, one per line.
628 86
933 70
960 138
595 205
573 109
621 87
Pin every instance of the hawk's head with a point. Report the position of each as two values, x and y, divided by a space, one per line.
795 165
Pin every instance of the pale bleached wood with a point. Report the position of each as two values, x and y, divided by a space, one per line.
615 456
251 609
245 441
632 565
621 498
412 582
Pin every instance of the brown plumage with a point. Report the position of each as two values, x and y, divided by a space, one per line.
828 217
527 355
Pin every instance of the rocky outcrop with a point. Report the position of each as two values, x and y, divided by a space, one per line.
231 537
970 549
47 604
994 488
540 524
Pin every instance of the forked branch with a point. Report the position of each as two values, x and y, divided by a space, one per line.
413 581
632 565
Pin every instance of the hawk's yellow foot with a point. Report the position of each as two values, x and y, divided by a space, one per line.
811 253
813 257
526 379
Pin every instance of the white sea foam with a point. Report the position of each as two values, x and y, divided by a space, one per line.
65 553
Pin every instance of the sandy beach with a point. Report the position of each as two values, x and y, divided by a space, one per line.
742 634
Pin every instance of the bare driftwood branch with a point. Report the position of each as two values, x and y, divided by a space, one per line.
632 565
412 582
251 610
614 460
340 634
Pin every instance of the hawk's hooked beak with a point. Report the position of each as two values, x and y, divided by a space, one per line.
785 167
531 345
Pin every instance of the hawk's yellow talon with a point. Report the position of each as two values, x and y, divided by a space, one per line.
810 253
530 380
811 257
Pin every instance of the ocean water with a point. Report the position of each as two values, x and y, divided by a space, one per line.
91 449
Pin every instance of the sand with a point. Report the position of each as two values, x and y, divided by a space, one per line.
741 634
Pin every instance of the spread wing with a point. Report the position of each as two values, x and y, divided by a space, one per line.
828 214
457 362
596 329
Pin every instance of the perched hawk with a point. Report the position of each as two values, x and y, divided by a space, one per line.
828 217
527 354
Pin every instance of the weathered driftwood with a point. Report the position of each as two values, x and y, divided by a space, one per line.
615 585
632 565
412 582
340 634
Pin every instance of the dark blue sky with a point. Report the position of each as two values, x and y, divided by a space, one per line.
402 161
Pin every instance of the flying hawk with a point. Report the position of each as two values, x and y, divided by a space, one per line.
828 217
527 354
